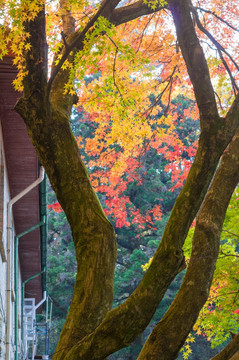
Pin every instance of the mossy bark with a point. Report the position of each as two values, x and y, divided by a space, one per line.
93 234
169 335
94 238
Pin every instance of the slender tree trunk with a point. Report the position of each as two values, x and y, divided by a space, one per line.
163 343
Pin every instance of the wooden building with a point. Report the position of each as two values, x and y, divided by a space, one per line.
22 222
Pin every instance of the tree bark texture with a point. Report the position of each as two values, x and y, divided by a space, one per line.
49 130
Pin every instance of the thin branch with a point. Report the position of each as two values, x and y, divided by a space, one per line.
169 95
169 81
114 68
78 41
149 45
210 298
143 32
219 47
218 17
234 85
229 232
59 306
209 45
219 100
227 255
159 97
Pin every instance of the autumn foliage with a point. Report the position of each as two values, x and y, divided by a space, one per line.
128 67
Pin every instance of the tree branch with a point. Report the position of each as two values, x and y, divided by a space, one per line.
219 47
77 40
133 11
195 61
218 17
67 20
36 59
134 314
231 233
169 81
178 321
115 16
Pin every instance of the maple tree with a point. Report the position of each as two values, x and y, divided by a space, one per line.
138 238
137 52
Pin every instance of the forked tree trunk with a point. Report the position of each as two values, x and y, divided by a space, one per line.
92 331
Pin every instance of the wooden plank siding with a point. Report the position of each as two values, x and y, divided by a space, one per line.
22 168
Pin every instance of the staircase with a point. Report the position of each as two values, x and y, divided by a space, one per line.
29 321
33 331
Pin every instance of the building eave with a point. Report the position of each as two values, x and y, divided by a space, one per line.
23 169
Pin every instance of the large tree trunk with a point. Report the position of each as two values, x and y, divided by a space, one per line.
49 129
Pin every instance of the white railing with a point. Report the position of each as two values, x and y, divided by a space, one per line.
33 331
29 322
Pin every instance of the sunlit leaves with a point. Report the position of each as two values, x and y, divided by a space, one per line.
186 350
13 37
3 43
153 4
119 153
152 36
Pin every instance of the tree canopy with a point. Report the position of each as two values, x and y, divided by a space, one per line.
124 63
